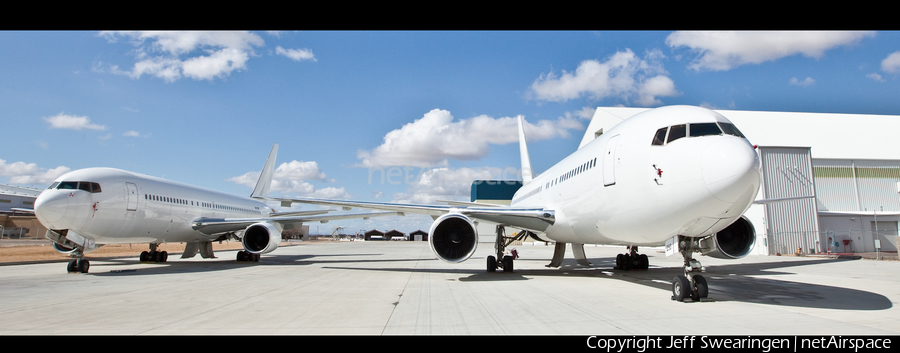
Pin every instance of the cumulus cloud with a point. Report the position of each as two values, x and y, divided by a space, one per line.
291 177
722 51
30 173
803 83
296 54
132 133
197 55
435 137
624 75
434 184
72 122
891 64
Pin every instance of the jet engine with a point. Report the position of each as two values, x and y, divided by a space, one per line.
261 238
733 242
63 249
453 237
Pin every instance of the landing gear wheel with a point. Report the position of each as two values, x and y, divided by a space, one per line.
83 266
702 287
246 256
145 256
162 256
72 267
491 263
620 261
681 288
507 263
626 262
643 262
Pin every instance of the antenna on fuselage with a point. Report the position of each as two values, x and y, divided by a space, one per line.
265 176
523 153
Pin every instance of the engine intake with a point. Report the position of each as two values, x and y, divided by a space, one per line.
453 237
733 242
261 238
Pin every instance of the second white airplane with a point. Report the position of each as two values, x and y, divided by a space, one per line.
681 172
87 208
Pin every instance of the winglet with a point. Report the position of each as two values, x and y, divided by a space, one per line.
265 176
523 152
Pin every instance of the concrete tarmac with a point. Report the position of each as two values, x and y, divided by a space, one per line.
400 288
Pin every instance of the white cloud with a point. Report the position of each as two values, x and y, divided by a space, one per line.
291 177
722 51
435 137
29 173
623 75
131 133
803 83
875 77
198 55
72 122
296 54
449 184
891 64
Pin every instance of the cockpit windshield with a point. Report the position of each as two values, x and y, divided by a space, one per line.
78 185
668 134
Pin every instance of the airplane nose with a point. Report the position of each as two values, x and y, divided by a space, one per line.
50 206
731 170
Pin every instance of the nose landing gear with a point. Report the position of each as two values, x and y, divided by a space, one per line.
689 285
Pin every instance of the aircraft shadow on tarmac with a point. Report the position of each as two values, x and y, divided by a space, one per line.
732 282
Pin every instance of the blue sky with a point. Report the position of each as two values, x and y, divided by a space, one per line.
426 111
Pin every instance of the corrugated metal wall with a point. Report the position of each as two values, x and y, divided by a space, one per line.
787 172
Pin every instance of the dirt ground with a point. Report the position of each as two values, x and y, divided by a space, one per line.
39 250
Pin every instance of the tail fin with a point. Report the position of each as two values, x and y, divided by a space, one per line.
523 152
265 176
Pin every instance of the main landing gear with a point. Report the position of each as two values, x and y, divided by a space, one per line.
690 284
632 260
153 255
500 244
79 265
246 256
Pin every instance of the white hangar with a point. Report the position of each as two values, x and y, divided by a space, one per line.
849 162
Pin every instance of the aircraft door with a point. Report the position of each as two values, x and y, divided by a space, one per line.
609 161
132 197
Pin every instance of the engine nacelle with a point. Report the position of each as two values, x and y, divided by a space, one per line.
733 242
261 238
453 237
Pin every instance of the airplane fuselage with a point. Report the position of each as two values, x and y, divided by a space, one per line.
627 187
135 208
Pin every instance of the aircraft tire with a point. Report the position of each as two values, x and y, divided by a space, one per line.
72 267
83 266
491 263
645 263
681 288
507 263
702 287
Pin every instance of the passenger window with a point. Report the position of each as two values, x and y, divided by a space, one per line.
731 129
705 129
676 132
660 138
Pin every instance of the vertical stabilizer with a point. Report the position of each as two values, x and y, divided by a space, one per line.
523 152
265 176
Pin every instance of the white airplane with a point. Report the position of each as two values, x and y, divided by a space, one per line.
87 208
613 191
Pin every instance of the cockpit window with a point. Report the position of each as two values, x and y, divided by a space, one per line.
65 185
53 186
80 185
704 129
660 138
731 129
676 132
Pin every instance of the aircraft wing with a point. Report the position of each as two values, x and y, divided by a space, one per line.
211 226
530 218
